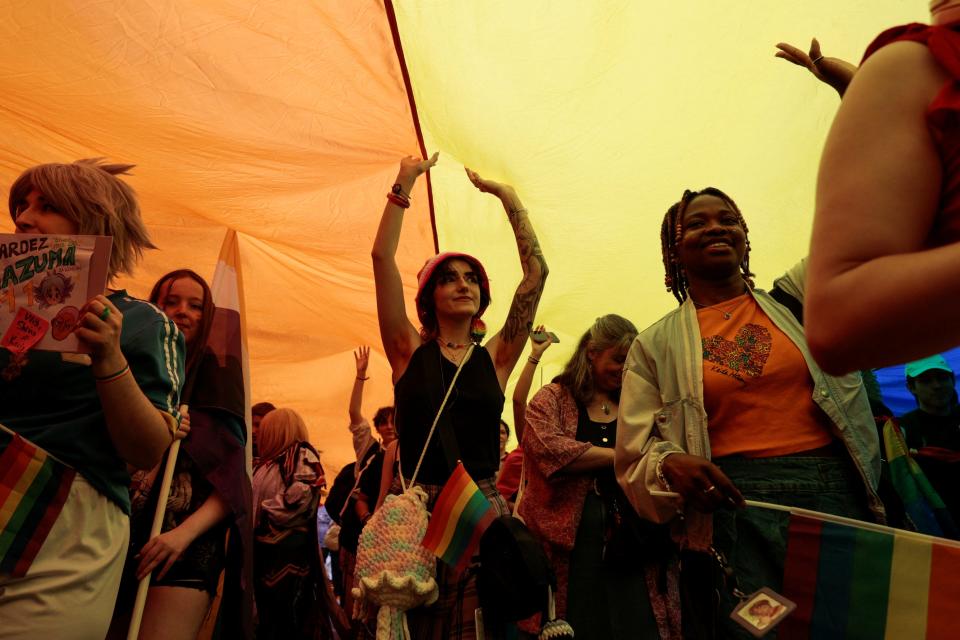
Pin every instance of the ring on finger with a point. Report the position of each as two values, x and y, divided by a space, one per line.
105 314
712 487
818 59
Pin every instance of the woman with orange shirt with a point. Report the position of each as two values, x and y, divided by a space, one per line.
780 430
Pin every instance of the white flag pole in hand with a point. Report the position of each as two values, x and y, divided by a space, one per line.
144 585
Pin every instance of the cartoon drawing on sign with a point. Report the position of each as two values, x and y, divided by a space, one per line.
63 323
51 276
55 288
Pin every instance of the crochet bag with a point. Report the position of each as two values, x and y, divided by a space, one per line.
393 570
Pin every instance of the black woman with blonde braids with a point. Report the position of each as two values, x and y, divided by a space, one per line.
722 401
452 294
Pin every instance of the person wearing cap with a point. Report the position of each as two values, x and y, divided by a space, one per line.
936 420
932 430
452 293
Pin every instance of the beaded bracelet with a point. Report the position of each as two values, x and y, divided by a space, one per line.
533 360
399 201
113 376
662 479
516 212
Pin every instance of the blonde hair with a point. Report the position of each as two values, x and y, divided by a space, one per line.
608 331
279 430
89 193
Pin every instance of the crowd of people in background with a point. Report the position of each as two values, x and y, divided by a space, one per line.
632 465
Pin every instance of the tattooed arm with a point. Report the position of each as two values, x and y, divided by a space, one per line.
507 345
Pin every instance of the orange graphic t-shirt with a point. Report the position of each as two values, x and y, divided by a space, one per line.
756 385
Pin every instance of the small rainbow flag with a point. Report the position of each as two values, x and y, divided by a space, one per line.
921 502
33 488
871 583
460 516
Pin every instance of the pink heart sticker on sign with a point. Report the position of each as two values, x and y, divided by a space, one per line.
26 330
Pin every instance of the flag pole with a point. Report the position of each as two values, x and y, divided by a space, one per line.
829 517
144 585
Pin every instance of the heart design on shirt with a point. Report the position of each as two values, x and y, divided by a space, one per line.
747 353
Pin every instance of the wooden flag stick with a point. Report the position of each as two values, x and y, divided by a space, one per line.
828 517
144 585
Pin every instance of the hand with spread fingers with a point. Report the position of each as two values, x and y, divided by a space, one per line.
99 330
362 357
701 483
832 71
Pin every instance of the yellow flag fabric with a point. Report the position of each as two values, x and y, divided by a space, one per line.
285 122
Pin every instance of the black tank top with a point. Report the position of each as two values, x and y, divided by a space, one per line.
474 409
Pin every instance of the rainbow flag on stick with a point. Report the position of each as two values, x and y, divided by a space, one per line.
869 582
33 489
461 515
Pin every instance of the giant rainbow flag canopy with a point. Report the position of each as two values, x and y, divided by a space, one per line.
285 122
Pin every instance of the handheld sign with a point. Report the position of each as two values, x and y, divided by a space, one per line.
44 282
26 330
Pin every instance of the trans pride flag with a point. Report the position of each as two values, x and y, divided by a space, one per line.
874 583
461 515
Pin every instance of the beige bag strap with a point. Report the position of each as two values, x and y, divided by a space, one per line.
436 419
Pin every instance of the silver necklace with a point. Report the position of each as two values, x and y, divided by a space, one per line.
726 314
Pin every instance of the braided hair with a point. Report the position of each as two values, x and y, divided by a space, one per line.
675 278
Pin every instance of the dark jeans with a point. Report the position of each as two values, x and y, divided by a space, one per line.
754 540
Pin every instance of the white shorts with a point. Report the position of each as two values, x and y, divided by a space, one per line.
71 586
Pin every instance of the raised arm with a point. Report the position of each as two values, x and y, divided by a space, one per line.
872 280
362 357
400 337
507 345
522 391
359 428
832 71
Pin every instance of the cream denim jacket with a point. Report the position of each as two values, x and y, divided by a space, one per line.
661 409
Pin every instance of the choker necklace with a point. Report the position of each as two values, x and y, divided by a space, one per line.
453 345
